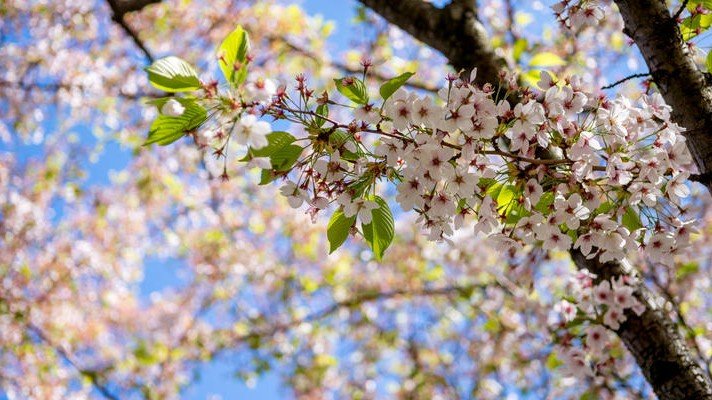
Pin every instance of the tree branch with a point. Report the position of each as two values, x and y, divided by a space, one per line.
683 86
652 337
626 79
121 7
91 375
453 30
654 340
378 75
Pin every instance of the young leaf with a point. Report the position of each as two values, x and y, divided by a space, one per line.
232 56
323 111
353 88
389 87
520 46
380 232
275 142
631 220
171 74
281 152
338 229
708 62
546 59
284 158
166 130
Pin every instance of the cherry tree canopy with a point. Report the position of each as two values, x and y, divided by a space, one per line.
458 205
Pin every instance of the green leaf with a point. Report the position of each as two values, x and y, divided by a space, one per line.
546 59
267 176
545 201
380 232
171 74
323 111
354 91
692 5
695 25
166 130
506 196
520 45
390 86
492 325
275 142
552 362
281 152
708 62
338 139
604 208
686 270
233 53
338 229
631 219
284 158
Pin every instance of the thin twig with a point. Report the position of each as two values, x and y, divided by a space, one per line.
70 359
680 10
627 78
379 76
118 17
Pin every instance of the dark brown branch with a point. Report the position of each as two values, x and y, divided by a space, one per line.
683 86
626 79
453 30
378 75
680 10
127 6
654 340
652 337
119 8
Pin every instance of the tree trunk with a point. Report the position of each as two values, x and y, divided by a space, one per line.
652 338
655 341
683 86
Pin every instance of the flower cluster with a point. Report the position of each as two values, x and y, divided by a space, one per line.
574 14
557 166
561 168
602 306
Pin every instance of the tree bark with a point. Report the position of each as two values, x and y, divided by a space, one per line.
683 86
453 30
652 338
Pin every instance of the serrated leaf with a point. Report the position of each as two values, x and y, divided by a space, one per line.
172 74
275 141
338 229
546 59
166 129
380 232
233 53
284 158
354 91
390 86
